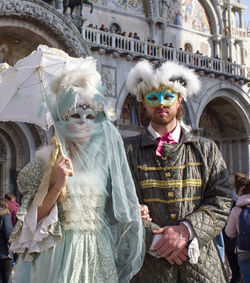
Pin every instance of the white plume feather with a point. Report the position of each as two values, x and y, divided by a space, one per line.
143 78
140 80
83 80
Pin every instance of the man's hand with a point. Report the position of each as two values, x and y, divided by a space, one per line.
172 244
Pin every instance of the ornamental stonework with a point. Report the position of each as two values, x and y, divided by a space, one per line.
109 80
45 16
134 6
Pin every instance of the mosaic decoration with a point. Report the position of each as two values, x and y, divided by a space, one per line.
14 47
210 125
189 14
221 120
136 6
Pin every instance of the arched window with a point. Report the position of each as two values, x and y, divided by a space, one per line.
188 47
115 28
222 122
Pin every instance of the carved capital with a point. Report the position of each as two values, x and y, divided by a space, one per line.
216 38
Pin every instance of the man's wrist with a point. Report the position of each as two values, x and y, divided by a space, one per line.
190 230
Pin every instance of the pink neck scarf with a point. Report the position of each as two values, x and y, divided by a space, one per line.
167 138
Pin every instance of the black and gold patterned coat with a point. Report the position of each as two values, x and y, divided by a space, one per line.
189 183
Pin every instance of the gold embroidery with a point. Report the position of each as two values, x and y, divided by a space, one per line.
168 174
170 201
171 183
213 218
143 167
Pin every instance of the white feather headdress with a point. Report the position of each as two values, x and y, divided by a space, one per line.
145 76
83 80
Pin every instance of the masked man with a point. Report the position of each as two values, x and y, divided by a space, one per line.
180 178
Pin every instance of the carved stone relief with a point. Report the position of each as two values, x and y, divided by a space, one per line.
135 6
109 80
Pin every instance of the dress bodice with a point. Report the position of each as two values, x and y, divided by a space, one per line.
83 206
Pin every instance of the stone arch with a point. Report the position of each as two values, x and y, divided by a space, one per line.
45 23
19 143
213 17
115 26
188 47
223 117
234 94
121 99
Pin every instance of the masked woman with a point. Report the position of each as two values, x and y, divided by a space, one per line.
80 219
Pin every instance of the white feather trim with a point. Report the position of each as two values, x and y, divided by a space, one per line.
143 78
83 80
3 67
139 79
44 152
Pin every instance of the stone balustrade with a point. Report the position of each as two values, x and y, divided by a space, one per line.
238 32
125 46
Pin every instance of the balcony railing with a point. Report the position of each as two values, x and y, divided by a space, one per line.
139 48
237 32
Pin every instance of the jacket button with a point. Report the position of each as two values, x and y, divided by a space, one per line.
170 194
173 216
167 174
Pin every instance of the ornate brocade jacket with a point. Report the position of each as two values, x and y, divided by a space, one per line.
189 183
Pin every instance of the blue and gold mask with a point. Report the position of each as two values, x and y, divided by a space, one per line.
162 95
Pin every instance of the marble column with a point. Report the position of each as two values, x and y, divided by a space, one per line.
229 24
240 20
230 48
230 153
242 53
164 10
156 8
240 155
164 33
248 155
216 41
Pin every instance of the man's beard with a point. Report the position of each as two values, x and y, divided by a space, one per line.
161 119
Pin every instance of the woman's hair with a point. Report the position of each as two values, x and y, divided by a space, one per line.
242 184
10 197
246 189
3 203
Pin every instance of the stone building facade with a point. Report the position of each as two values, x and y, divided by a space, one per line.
206 35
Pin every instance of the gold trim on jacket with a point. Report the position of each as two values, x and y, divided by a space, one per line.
171 183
